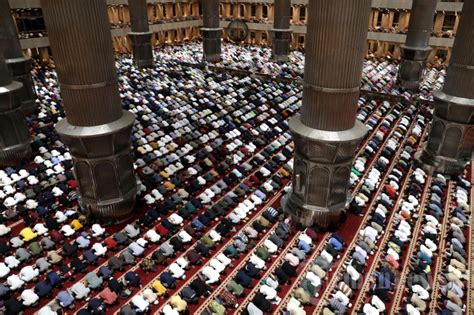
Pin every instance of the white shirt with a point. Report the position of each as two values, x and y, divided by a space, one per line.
60 217
29 297
4 270
314 279
377 302
182 262
272 248
12 262
370 310
153 236
217 265
46 310
411 310
140 303
185 237
224 259
269 292
353 273
97 230
176 271
14 282
211 274
40 229
99 249
67 230
422 292
4 230
28 273
216 237
168 310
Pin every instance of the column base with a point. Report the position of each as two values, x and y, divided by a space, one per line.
103 166
322 167
280 58
412 66
308 215
142 49
14 133
451 138
440 164
14 155
20 69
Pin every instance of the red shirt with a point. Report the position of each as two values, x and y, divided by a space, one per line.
391 191
160 229
110 243
72 184
108 296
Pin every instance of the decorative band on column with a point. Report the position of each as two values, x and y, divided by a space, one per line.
281 43
211 38
103 166
142 49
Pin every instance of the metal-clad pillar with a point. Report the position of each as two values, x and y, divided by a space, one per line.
211 31
451 138
327 134
18 64
96 129
416 49
14 133
140 34
281 30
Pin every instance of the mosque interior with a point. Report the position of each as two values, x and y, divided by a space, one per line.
236 157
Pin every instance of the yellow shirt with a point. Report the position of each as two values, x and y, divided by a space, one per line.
169 185
159 288
178 303
76 225
28 234
284 173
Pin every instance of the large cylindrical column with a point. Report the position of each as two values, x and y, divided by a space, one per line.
451 138
416 49
18 64
14 134
140 34
96 129
327 134
211 31
281 30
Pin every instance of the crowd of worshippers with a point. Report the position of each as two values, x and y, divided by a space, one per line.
454 271
353 268
410 126
379 75
192 128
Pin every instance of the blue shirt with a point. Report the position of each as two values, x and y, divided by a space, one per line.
65 298
335 243
304 246
243 278
53 278
43 288
423 256
260 194
82 242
